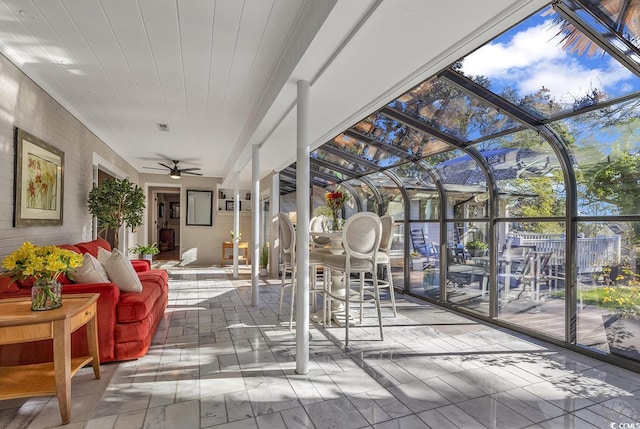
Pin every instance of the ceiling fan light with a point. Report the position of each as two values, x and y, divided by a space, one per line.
175 175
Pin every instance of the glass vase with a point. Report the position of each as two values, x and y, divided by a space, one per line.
46 294
336 222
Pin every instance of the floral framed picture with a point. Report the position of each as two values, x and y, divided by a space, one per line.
39 182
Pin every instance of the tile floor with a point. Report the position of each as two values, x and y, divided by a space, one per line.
219 362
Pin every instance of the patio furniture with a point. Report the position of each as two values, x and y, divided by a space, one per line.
425 248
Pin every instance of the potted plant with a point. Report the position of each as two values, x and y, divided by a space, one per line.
417 261
264 260
117 202
232 234
145 251
477 247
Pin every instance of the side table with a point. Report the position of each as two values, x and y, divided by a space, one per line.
19 324
242 246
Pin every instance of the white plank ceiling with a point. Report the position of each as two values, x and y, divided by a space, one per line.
222 73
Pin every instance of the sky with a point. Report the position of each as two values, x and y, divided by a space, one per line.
530 56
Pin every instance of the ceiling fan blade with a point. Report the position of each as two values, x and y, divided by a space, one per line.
193 174
190 169
165 166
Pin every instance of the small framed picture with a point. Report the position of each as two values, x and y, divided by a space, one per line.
247 196
230 205
39 184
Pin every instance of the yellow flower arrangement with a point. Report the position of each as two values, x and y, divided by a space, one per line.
47 262
45 265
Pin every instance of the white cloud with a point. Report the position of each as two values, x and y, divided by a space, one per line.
533 58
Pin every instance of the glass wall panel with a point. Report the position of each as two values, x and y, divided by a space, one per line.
396 253
604 148
608 283
424 204
463 179
540 83
368 201
468 265
527 173
531 277
424 260
450 110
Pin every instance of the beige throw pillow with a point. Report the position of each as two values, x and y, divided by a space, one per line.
120 270
91 271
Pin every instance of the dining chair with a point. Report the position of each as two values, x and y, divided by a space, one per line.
321 244
361 236
288 254
383 260
288 249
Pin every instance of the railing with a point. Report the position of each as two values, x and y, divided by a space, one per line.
591 253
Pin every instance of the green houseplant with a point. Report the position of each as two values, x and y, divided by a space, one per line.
117 202
477 247
264 260
145 251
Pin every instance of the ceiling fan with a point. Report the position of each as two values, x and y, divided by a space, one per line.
175 172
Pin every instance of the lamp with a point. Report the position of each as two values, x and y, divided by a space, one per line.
175 174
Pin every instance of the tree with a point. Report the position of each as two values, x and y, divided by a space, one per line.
117 202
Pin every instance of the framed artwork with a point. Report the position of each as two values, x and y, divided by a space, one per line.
230 205
199 208
39 182
174 210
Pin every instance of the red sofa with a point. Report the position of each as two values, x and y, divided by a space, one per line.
127 321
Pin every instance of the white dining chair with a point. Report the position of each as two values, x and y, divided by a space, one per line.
289 266
383 259
361 240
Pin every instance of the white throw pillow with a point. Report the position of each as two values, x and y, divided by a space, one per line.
120 270
91 271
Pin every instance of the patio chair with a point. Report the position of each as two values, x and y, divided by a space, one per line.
427 249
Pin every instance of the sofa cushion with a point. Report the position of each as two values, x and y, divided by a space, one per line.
119 270
93 246
91 271
8 286
133 307
69 247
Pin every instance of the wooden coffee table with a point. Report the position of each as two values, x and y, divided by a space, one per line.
19 324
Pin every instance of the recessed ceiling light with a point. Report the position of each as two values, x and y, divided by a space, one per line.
26 14
163 127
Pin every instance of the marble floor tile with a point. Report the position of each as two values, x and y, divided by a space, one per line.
218 362
369 409
493 414
335 413
417 396
407 422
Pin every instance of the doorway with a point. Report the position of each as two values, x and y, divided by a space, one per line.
165 222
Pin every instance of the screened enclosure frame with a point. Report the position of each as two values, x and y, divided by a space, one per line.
381 143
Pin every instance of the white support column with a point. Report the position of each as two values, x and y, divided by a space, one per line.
302 229
255 224
236 221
